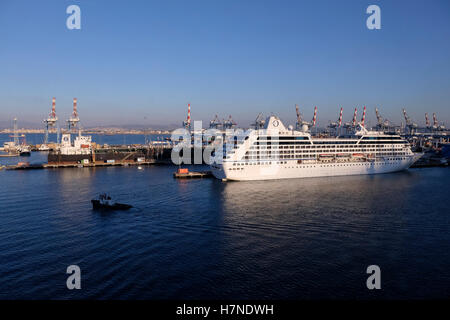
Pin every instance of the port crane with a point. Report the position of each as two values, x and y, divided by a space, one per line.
51 122
15 134
302 124
16 147
427 122
337 124
229 123
259 121
436 125
215 123
350 125
409 124
363 118
187 122
74 119
383 124
314 119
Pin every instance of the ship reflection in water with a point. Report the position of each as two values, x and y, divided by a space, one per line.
315 237
296 238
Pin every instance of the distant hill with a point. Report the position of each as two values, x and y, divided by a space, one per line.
8 124
136 126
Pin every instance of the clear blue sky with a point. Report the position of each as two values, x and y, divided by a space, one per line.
143 61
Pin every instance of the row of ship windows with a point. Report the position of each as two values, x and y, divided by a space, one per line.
324 144
280 157
396 151
258 163
346 152
295 157
303 141
325 151
312 153
366 148
272 138
327 147
300 140
399 152
285 162
325 165
309 154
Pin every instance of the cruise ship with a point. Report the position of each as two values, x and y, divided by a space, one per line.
277 152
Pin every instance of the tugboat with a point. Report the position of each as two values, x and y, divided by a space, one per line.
104 202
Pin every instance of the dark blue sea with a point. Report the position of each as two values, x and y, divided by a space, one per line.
207 239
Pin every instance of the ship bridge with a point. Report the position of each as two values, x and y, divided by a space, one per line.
274 126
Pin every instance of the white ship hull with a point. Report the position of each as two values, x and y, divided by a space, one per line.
292 169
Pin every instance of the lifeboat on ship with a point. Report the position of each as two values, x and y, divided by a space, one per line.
326 157
358 155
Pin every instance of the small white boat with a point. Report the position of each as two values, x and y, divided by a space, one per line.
24 151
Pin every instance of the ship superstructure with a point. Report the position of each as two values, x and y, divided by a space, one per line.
85 152
277 152
81 145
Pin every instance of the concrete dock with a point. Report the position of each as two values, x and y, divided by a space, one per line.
75 165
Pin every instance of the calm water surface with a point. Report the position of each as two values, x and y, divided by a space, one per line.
295 239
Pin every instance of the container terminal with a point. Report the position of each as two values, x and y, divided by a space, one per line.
432 139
